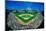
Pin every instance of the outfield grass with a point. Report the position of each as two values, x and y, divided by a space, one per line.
26 17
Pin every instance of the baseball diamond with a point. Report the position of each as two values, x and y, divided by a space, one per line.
25 18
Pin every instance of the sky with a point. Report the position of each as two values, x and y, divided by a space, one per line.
24 5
